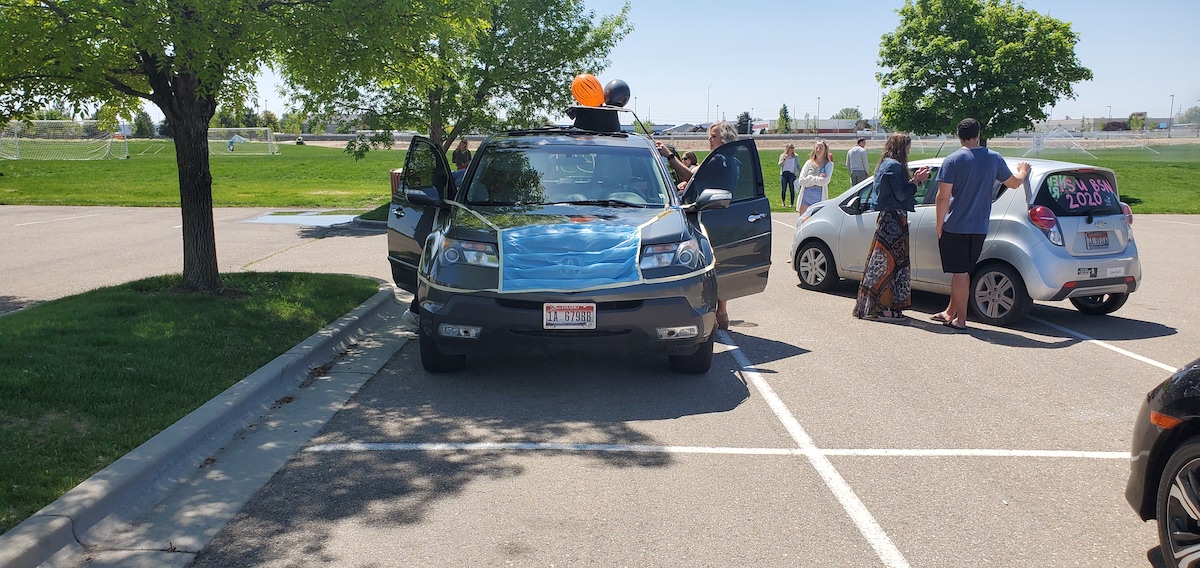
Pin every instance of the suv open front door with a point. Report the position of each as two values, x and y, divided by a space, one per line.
424 180
741 233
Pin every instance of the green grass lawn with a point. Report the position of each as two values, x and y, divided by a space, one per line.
299 176
314 176
86 379
1168 182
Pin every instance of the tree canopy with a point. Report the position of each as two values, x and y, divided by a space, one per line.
848 113
185 58
516 73
991 60
784 122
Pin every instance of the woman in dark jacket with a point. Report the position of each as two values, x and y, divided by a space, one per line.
887 285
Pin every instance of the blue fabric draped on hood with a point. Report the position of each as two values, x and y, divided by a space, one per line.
568 257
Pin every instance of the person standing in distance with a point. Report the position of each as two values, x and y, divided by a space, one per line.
789 166
856 162
461 156
964 205
815 176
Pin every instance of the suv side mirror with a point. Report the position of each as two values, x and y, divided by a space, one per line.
713 199
423 196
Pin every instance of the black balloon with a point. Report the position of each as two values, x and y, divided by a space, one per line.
616 93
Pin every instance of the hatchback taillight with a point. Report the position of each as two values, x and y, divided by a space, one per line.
1043 217
1128 213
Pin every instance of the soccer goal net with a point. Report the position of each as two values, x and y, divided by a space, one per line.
60 140
243 141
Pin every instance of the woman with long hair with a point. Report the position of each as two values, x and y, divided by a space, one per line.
886 287
814 177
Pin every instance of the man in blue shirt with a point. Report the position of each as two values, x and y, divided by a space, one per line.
964 206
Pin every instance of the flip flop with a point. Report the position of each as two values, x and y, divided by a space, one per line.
938 317
954 327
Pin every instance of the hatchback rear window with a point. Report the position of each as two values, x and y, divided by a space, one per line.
1079 193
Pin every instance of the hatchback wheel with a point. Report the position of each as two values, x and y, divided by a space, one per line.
1177 505
998 295
1101 304
697 363
432 358
815 266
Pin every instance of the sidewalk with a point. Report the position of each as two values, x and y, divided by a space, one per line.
160 504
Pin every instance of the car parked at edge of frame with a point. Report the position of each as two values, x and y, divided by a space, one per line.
1164 476
562 239
1064 234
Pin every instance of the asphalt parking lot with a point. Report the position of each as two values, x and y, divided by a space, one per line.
816 439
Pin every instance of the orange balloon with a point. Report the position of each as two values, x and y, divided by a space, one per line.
587 90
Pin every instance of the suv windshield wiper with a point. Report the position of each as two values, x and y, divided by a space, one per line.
605 202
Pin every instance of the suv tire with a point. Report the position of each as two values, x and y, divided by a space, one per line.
432 358
697 363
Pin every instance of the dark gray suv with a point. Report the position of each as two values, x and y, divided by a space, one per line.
568 239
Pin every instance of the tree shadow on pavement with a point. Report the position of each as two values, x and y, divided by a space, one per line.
567 398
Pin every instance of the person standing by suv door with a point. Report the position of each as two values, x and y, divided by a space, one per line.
964 206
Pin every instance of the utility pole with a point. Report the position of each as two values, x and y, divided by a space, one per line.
1171 117
818 129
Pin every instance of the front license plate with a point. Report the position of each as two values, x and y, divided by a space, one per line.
1096 239
569 316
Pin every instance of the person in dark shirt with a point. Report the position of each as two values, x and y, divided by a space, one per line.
886 286
461 156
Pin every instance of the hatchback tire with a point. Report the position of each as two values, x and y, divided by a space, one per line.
1178 488
1100 304
998 295
815 266
432 358
697 363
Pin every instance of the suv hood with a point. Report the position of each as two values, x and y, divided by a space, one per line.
568 248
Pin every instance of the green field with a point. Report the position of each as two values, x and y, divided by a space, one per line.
319 177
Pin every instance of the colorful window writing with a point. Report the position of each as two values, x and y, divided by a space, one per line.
1079 193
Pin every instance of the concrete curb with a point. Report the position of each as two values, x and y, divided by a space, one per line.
138 479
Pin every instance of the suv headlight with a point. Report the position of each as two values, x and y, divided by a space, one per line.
471 253
686 253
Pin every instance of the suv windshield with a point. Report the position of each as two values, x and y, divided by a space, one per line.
1079 193
594 175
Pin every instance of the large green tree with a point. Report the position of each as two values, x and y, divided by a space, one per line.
991 60
783 124
848 113
188 56
514 74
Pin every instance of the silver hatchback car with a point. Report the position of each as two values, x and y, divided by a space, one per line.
1065 234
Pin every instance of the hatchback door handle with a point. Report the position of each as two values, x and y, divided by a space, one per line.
753 218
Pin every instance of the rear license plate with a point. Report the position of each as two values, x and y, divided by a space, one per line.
569 316
1096 239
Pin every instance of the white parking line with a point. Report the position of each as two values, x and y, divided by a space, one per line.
1108 346
643 449
56 220
1166 221
870 529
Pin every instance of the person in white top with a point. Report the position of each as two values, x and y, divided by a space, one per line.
815 176
856 162
789 165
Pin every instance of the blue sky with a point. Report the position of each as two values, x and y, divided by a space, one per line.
700 60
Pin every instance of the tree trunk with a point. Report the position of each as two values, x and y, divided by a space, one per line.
189 117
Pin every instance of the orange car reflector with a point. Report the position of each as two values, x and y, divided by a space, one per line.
1163 421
